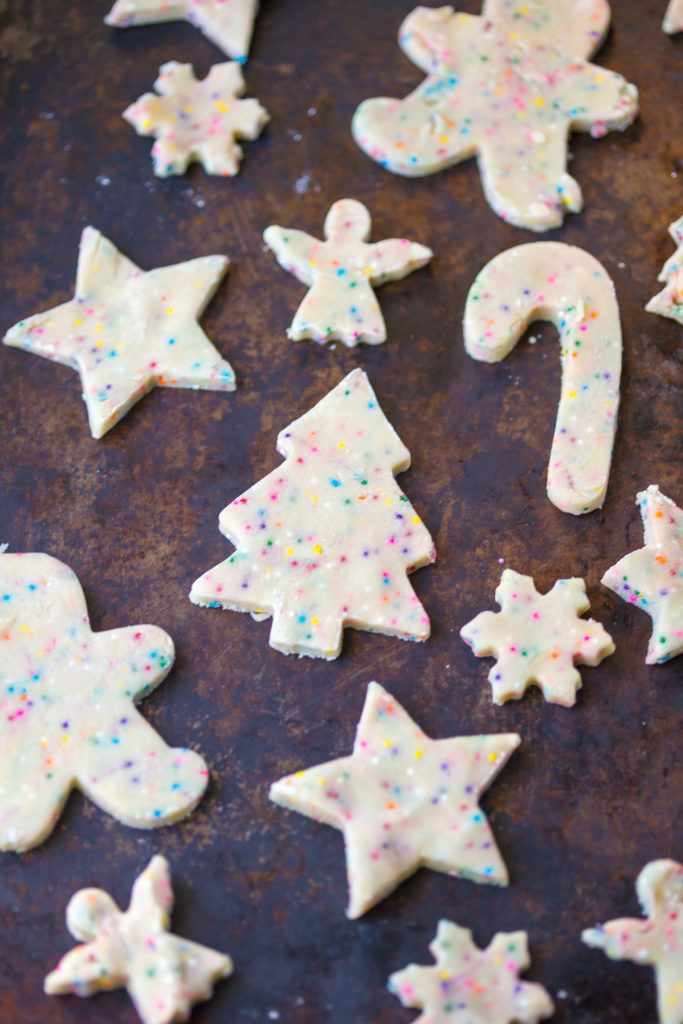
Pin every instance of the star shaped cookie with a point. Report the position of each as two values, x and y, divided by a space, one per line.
669 302
652 577
68 717
133 949
404 801
673 19
227 23
127 331
197 120
468 985
656 941
341 273
537 638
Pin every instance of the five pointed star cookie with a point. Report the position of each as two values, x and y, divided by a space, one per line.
404 801
341 273
67 714
227 23
673 19
657 941
468 985
652 577
669 302
537 638
127 330
163 974
197 120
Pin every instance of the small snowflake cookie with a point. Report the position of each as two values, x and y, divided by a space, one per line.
227 23
537 639
669 302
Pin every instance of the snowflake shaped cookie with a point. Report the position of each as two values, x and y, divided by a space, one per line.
133 949
197 120
669 302
404 801
341 273
227 23
127 330
673 19
468 985
656 941
67 713
652 577
508 86
537 638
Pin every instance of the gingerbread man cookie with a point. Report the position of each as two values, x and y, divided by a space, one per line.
227 23
669 302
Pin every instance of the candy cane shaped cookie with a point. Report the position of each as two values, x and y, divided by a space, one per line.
567 286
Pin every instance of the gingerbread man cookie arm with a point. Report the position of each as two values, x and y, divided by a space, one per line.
621 939
566 285
294 250
673 19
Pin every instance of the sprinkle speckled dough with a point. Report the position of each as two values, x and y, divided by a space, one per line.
227 23
325 541
508 86
655 942
163 974
66 711
673 19
404 801
341 273
652 577
538 638
468 985
669 302
197 120
127 331
566 285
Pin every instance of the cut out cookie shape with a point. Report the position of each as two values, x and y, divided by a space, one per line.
656 941
197 120
673 19
325 540
404 801
133 949
341 273
537 639
127 330
508 86
67 714
566 285
652 577
227 23
669 302
468 985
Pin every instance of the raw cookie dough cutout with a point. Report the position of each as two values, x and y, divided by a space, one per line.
163 974
67 713
537 639
652 577
227 23
341 273
656 941
127 331
197 120
508 86
468 985
673 19
669 302
326 540
404 801
566 285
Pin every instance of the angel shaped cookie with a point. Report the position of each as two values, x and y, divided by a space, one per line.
669 302
509 86
133 949
341 273
227 23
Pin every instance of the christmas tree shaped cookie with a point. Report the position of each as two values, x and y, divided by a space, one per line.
326 540
164 974
669 302
227 23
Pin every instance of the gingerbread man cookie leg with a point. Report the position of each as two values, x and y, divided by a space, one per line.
669 302
566 285
673 19
227 23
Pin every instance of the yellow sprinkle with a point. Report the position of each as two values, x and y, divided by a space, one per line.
445 975
341 444
598 78
540 102
493 757
314 622
99 327
145 124
416 519
314 499
65 739
418 753
222 107
444 138
368 271
290 551
572 394
387 743
322 782
318 550
78 322
389 501
513 35
170 309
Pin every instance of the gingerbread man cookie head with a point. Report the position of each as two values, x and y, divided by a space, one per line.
87 913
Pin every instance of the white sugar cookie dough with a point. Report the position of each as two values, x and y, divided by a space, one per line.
227 23
468 985
341 273
657 940
669 302
673 19
197 120
566 285
127 330
68 713
404 801
537 639
507 86
133 949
